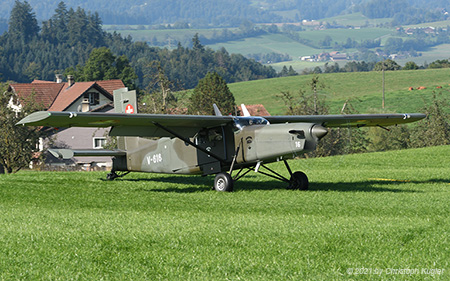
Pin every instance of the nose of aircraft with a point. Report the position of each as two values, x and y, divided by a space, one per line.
319 131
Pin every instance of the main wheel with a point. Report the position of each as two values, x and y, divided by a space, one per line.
223 182
299 180
111 176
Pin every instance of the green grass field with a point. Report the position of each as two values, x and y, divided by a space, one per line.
374 211
356 19
362 89
272 43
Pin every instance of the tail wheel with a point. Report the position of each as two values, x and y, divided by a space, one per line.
299 180
223 182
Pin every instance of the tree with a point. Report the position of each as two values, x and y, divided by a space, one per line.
55 29
386 65
316 86
22 22
18 144
410 65
435 128
212 89
338 140
196 45
158 98
103 65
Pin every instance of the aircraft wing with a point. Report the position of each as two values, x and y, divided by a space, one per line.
144 125
353 120
156 125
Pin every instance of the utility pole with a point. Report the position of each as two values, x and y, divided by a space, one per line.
382 103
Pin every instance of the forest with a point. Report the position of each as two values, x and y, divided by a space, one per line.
67 39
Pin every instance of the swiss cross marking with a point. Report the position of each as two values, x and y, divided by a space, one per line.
129 109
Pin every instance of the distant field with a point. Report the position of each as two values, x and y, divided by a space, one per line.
376 211
436 24
280 43
341 35
273 43
439 52
364 86
356 19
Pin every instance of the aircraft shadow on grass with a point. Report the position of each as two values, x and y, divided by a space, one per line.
199 184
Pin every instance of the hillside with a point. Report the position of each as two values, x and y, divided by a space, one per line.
233 12
362 89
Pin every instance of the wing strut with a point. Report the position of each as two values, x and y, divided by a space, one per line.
188 141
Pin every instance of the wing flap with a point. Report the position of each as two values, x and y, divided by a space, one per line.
69 153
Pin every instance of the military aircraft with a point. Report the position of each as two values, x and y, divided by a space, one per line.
205 145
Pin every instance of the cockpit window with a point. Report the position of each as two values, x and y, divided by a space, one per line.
241 122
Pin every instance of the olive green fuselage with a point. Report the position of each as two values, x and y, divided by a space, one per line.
248 145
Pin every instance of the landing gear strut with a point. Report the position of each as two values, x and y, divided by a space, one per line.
298 180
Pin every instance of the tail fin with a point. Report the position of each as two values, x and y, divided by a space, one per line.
245 111
125 102
216 110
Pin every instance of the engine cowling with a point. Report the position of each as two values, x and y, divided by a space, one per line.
278 141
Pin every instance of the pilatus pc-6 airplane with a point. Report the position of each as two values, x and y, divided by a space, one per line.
204 145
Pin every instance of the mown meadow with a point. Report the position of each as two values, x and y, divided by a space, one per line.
363 90
378 211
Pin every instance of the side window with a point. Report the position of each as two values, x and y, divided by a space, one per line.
99 143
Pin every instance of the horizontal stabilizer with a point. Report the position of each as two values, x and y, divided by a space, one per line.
69 153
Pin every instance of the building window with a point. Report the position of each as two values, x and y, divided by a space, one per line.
99 143
94 98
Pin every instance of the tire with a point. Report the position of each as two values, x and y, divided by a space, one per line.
111 176
299 180
223 182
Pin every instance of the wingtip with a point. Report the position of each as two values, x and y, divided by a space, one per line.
32 118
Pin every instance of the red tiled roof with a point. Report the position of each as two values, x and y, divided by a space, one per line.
58 96
45 93
111 85
68 95
256 110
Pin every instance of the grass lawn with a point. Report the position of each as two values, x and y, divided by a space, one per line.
377 211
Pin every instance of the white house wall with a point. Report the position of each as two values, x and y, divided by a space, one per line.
81 138
77 104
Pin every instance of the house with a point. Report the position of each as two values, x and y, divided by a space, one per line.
93 96
337 56
255 110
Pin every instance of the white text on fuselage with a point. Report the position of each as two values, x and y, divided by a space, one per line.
155 158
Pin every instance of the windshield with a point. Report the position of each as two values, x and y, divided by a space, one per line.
241 122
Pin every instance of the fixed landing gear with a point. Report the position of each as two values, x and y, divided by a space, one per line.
113 175
223 182
299 181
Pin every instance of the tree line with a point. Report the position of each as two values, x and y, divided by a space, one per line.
230 13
